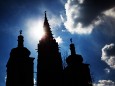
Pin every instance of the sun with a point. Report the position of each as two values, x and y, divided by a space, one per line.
35 29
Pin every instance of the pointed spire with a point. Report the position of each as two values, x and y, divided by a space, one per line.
47 28
20 39
46 20
72 48
45 16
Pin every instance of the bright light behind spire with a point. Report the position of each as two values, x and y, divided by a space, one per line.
35 29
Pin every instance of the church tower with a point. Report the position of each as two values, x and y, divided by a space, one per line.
49 67
20 66
76 73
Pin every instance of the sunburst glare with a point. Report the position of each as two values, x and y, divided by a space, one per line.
35 29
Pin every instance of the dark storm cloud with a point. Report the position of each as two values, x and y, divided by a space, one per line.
110 50
82 16
90 9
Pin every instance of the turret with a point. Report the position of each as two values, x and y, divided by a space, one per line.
73 58
20 65
72 48
20 40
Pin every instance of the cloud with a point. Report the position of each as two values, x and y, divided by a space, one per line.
105 83
107 24
62 18
108 55
80 1
110 12
107 70
5 78
54 21
72 17
83 15
59 40
35 82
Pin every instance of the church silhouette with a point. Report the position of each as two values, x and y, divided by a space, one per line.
50 71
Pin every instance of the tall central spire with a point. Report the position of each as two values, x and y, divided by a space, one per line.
49 65
47 29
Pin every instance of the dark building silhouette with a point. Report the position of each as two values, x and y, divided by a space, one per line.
49 68
20 66
76 73
50 71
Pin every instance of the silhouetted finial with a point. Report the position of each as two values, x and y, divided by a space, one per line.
45 11
72 47
20 39
20 32
71 40
45 14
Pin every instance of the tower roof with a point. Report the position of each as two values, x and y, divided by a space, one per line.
72 47
21 49
73 58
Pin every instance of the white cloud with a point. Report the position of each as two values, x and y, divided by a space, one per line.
59 40
62 18
63 30
73 17
71 23
5 78
107 70
110 12
81 1
35 82
55 21
105 83
108 55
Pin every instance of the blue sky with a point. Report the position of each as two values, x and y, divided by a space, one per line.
91 24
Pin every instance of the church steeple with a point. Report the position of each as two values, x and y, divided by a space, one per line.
45 17
47 29
73 58
20 65
20 40
72 48
49 59
76 73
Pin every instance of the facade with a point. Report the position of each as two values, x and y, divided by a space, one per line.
76 73
49 68
20 66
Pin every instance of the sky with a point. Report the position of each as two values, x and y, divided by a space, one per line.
90 23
